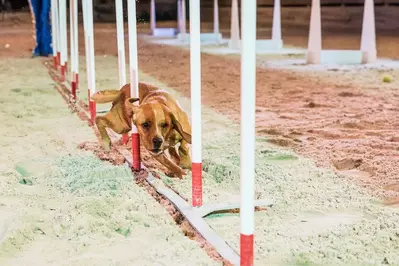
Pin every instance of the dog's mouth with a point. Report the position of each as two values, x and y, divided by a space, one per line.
156 151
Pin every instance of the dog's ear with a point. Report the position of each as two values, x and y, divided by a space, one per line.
176 124
129 102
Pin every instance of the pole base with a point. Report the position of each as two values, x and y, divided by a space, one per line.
136 151
92 108
313 57
73 89
196 184
63 69
369 57
58 59
246 250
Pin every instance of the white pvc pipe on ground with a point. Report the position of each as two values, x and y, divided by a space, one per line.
247 156
314 41
134 75
276 30
235 26
121 42
153 19
215 16
195 75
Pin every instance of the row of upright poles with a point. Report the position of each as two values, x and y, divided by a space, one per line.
248 82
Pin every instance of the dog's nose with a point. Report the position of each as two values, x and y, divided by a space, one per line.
157 142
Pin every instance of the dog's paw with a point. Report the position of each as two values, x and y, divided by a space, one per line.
179 174
185 164
106 145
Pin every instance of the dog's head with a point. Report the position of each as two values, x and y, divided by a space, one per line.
154 122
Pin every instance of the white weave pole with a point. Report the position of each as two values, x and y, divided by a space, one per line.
84 11
181 10
314 42
121 42
184 18
71 39
87 6
153 19
63 37
195 75
368 45
276 30
54 27
247 157
73 8
235 26
134 78
179 15
215 17
121 51
57 31
76 45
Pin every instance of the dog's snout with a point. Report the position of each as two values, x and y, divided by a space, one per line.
157 142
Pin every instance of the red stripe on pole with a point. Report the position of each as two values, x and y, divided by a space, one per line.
55 61
77 80
136 151
73 85
66 66
197 184
58 58
246 250
63 73
92 107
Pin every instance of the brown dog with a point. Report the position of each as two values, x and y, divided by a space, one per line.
160 121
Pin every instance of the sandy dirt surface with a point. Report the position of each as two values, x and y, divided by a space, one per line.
347 124
61 205
344 125
320 218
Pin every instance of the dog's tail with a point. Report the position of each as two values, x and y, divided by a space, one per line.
105 96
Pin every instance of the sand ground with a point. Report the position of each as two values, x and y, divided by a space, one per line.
343 121
60 205
320 218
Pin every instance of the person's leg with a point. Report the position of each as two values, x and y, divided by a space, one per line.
35 6
45 41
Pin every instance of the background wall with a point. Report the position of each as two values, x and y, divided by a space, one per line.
338 16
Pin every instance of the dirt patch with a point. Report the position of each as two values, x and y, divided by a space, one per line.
347 164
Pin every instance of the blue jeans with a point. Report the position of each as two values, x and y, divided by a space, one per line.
41 11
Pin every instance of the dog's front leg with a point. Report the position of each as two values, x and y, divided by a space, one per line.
185 158
102 123
170 165
174 155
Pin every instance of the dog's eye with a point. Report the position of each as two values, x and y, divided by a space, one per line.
145 125
164 125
